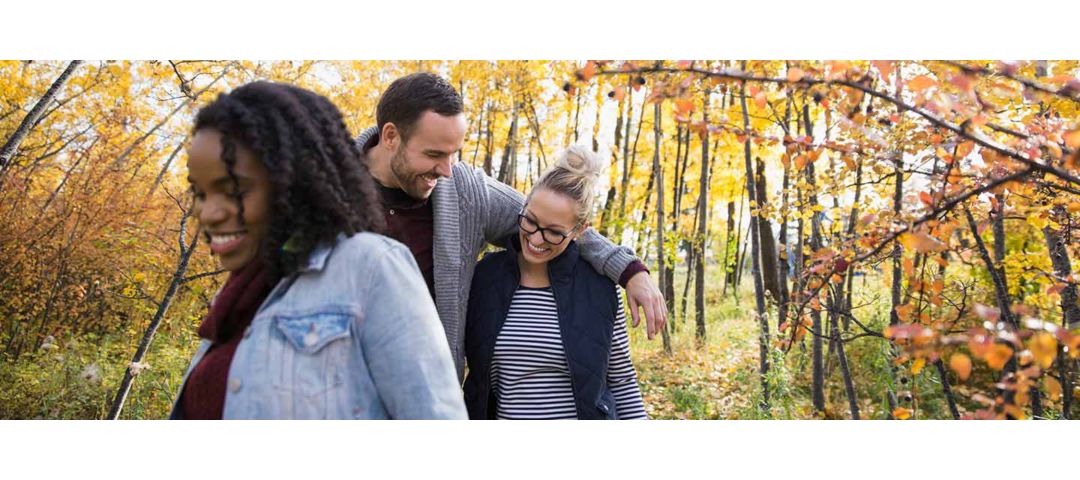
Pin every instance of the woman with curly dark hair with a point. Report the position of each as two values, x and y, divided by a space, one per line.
321 316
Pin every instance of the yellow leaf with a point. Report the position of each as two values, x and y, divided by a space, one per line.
918 365
961 364
1044 347
1037 221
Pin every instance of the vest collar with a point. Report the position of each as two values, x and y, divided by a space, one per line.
560 268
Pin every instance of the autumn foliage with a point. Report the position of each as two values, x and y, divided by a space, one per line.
910 220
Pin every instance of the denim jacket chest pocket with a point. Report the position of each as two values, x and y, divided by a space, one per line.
315 357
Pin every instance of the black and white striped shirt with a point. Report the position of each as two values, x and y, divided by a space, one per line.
529 370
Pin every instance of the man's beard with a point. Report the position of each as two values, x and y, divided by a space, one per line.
406 179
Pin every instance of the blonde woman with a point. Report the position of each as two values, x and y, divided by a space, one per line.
546 333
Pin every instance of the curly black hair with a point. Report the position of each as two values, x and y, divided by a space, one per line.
320 185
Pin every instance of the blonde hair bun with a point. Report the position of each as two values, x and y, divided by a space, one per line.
575 174
581 162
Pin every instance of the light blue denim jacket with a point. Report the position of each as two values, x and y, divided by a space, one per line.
353 335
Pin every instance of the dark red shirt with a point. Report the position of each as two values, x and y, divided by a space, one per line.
411 222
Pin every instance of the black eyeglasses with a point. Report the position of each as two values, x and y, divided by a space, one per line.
530 226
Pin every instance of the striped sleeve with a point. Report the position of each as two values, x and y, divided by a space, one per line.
621 378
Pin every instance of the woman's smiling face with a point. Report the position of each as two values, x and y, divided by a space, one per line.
554 213
217 199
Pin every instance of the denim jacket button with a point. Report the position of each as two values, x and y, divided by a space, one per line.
234 384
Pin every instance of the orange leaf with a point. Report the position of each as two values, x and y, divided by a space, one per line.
922 242
964 149
684 107
588 71
961 364
620 93
926 199
885 67
795 74
997 355
1053 387
903 312
901 413
800 161
1072 138
760 100
920 83
1044 347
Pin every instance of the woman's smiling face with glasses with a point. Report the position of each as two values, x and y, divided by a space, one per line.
547 225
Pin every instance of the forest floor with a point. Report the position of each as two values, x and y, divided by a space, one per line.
719 379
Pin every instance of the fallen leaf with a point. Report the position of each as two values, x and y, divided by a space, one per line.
901 413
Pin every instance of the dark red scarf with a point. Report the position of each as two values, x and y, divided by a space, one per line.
203 397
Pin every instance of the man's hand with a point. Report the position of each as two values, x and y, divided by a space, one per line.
641 291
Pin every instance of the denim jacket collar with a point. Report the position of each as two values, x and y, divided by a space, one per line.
317 259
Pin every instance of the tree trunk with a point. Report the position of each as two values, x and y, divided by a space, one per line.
489 144
625 183
633 153
660 260
845 372
163 306
1001 293
729 239
1070 310
755 244
165 168
700 241
510 150
768 242
782 255
7 153
943 375
818 374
